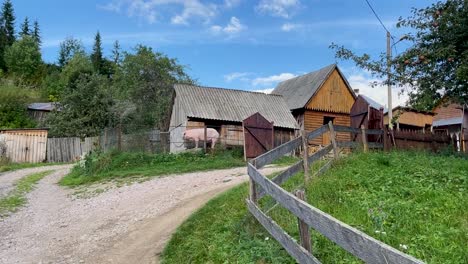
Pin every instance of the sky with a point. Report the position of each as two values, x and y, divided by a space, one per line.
239 44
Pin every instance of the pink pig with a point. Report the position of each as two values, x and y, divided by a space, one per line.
198 134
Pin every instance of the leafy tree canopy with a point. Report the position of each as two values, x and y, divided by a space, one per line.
68 48
13 107
23 59
436 64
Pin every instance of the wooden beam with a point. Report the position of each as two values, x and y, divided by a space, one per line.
333 139
319 154
277 153
365 147
304 234
282 177
317 132
295 250
352 240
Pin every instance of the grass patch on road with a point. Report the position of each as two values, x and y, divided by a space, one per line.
116 165
7 166
416 202
16 198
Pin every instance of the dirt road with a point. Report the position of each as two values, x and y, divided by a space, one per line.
130 224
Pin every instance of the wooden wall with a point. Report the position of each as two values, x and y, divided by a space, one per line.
411 118
314 120
25 145
334 96
447 111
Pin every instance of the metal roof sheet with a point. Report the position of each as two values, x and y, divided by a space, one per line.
42 106
233 105
373 103
448 122
298 91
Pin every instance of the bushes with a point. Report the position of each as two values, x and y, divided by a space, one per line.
13 106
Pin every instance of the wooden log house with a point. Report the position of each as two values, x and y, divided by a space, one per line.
317 98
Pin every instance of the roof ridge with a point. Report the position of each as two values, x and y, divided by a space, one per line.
229 89
297 77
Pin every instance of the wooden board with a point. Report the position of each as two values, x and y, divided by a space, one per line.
352 240
315 119
277 153
258 135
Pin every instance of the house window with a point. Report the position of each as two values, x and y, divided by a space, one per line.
327 119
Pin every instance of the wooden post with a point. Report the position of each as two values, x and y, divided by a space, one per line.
304 234
204 138
386 140
305 155
333 139
364 139
253 189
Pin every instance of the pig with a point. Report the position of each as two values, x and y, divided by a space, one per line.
198 134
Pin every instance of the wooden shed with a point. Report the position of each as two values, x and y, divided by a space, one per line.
368 113
224 110
25 145
407 118
317 98
40 111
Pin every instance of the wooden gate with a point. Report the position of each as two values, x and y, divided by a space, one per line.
258 135
25 145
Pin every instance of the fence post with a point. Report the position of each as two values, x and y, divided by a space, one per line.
304 234
205 136
386 140
305 155
333 139
253 189
364 139
119 137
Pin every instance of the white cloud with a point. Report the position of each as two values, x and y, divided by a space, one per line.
233 27
278 8
237 76
152 10
289 27
362 81
273 79
231 3
266 91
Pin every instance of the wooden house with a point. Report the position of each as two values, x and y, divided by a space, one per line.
407 118
224 110
317 98
452 118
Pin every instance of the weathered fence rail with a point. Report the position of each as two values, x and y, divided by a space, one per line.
352 240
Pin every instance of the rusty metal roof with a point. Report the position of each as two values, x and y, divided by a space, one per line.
233 105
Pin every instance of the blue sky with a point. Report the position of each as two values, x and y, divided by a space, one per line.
240 44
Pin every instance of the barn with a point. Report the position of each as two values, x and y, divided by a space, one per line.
407 118
317 98
224 110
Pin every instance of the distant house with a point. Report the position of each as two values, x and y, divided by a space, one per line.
407 118
317 98
452 119
39 111
224 110
367 112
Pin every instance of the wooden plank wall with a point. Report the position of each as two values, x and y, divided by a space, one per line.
25 146
314 120
63 149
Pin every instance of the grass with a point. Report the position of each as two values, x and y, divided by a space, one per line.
17 166
115 165
416 202
16 198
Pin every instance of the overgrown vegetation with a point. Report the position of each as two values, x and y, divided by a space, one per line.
16 198
415 202
112 165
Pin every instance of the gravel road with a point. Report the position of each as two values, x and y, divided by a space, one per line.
130 224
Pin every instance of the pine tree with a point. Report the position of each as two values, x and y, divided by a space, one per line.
25 31
36 34
96 56
8 22
116 52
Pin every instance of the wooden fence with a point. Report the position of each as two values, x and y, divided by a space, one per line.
24 145
407 139
352 240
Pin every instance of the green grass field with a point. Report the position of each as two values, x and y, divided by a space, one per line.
119 165
16 198
416 202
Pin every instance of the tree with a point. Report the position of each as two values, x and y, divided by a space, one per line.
85 109
436 63
13 107
96 56
78 65
25 31
68 48
8 22
23 59
36 34
116 53
146 79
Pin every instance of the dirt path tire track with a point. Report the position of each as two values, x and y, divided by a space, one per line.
130 224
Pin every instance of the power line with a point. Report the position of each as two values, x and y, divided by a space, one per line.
377 16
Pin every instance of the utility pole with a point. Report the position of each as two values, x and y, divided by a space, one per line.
389 57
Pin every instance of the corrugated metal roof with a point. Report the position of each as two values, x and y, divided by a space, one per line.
448 122
42 106
232 105
373 103
298 91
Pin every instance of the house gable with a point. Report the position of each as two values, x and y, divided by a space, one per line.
333 96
